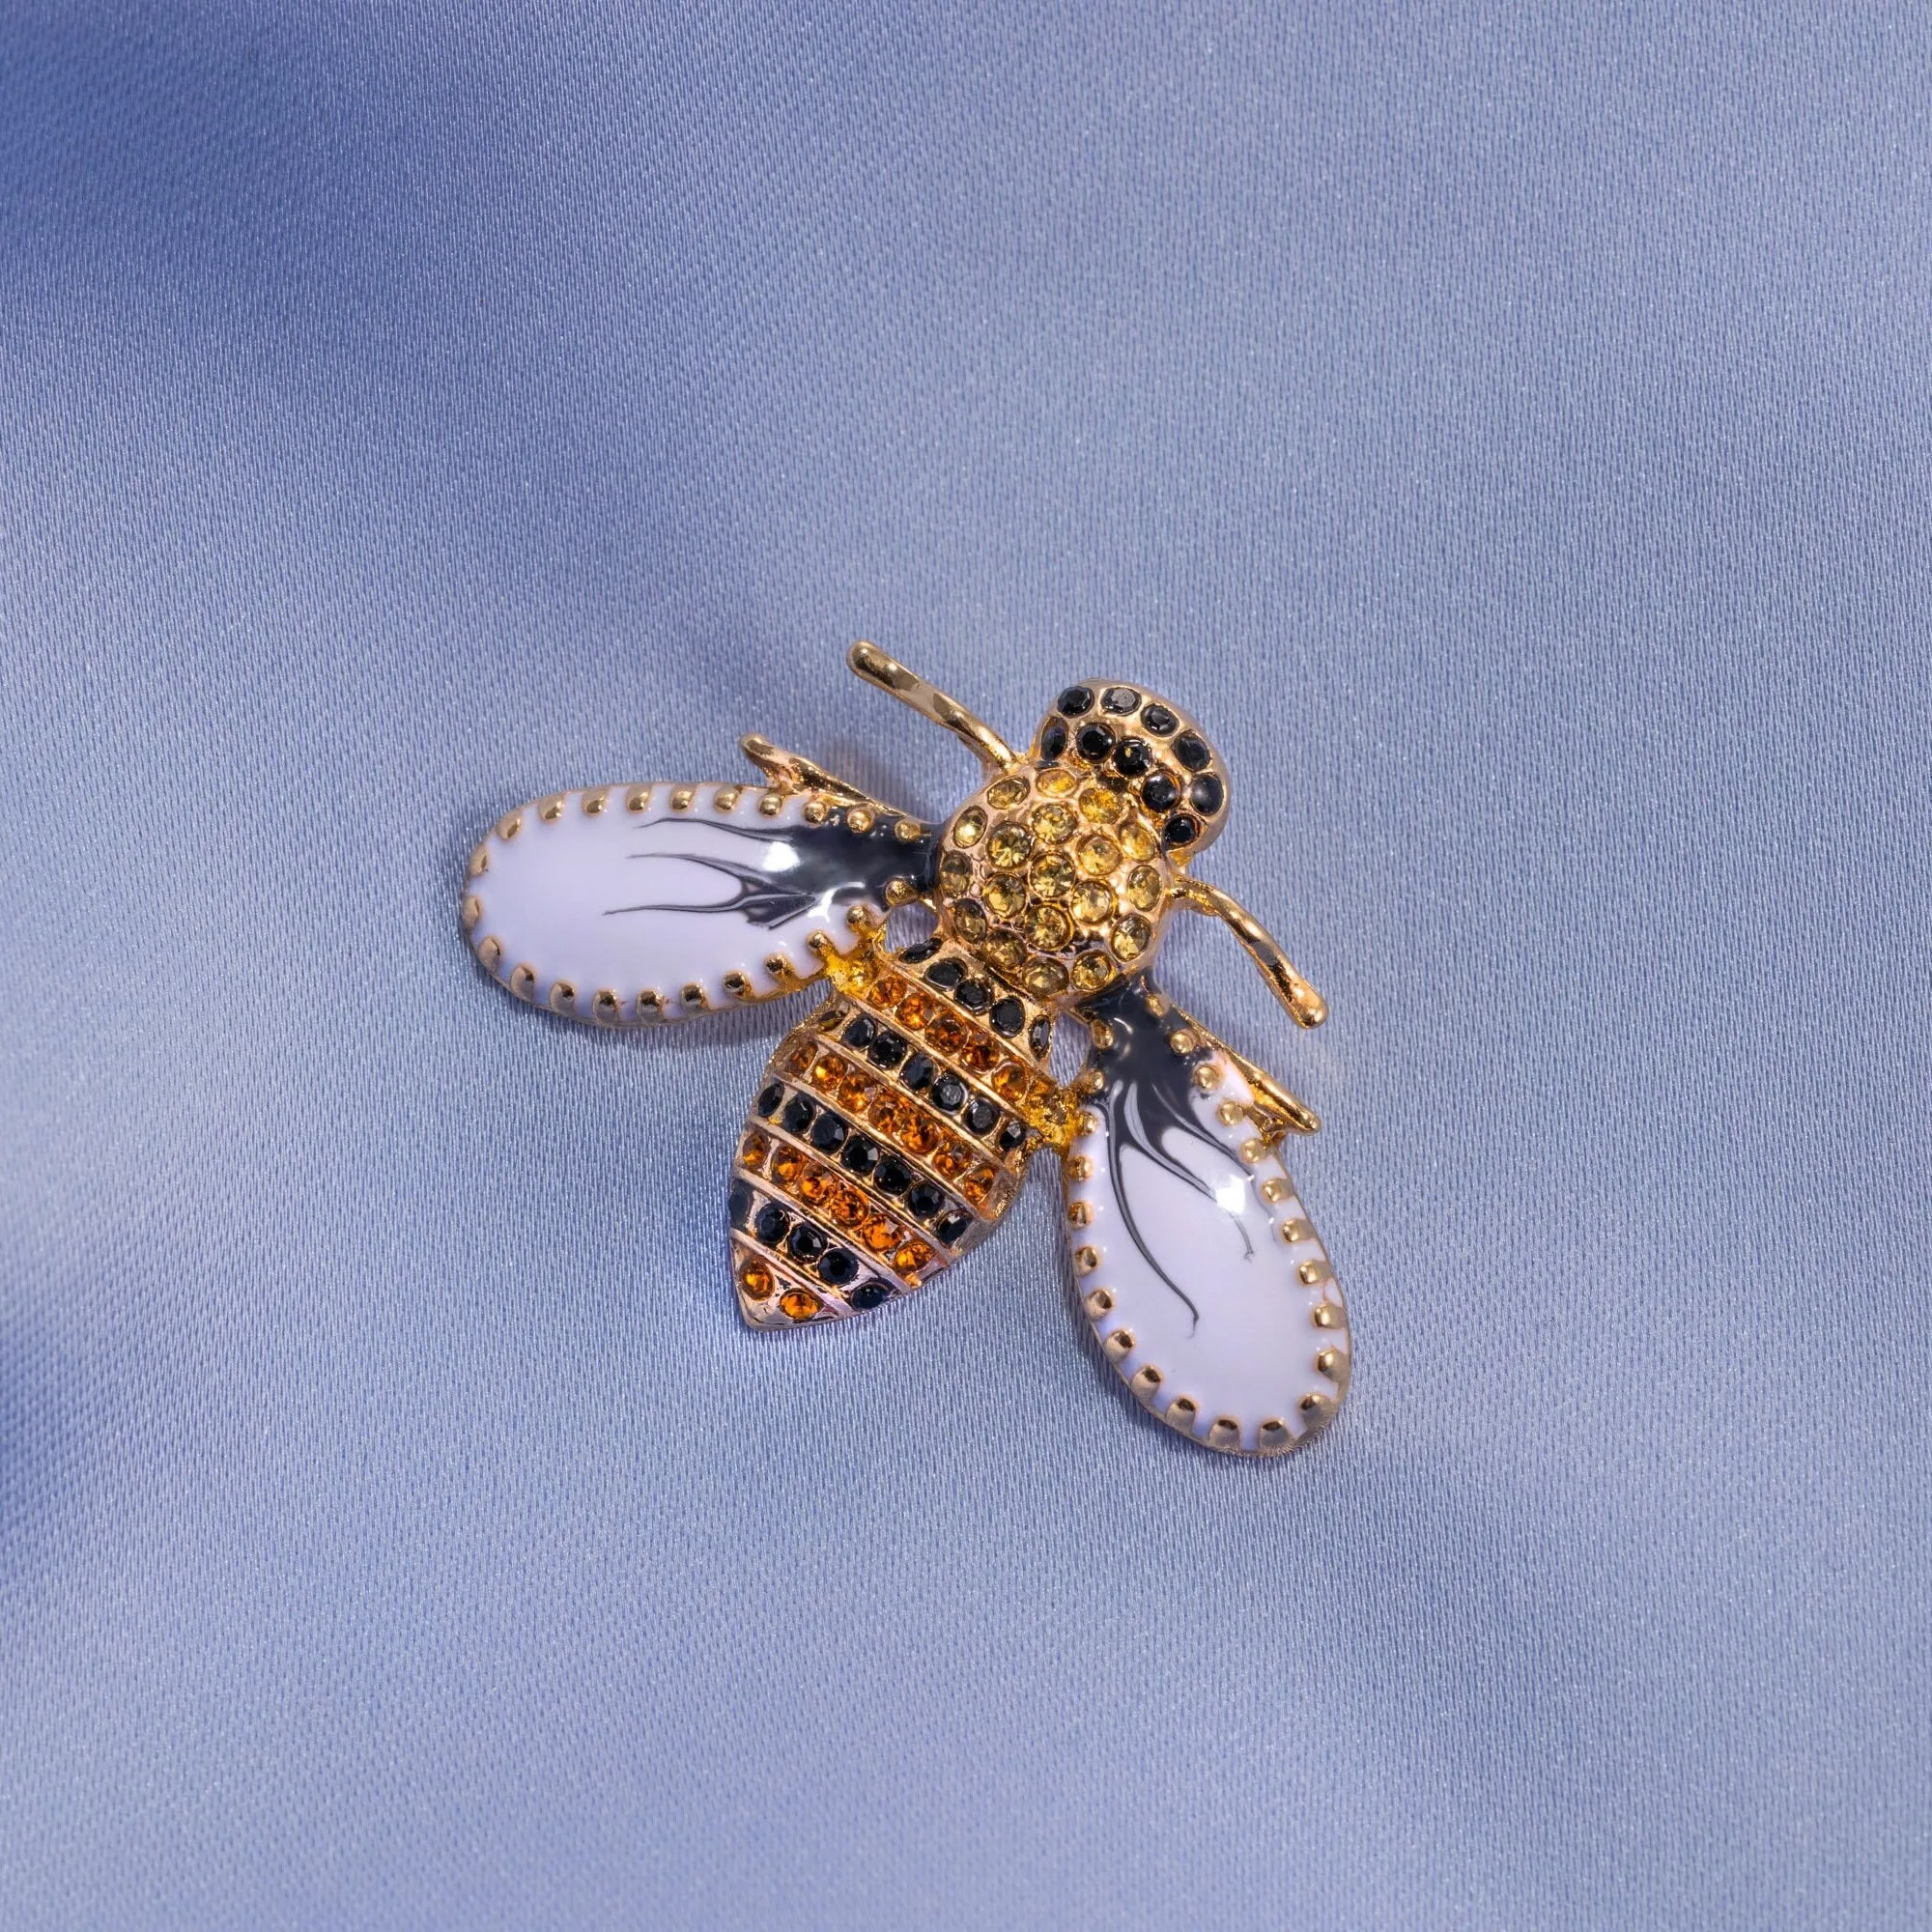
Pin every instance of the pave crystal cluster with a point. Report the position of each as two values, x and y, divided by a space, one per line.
1059 871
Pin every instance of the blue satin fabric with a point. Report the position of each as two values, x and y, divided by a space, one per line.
1507 429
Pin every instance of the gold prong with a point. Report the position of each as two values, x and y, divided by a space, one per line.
594 801
901 890
1078 1167
1102 1033
726 798
491 952
1099 1303
479 862
682 796
1228 1113
562 997
1183 1040
1294 1232
1313 1273
1328 1361
1226 1434
637 799
814 811
650 1005
1274 1435
1078 1214
979 738
1326 1315
607 1006
859 818
472 911
1182 1413
510 825
552 808
1146 1382
693 998
1085 1260
1119 1344
772 803
523 982
737 985
1274 1188
1207 1077
1253 1149
908 830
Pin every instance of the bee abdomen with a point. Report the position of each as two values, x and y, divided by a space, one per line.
870 1163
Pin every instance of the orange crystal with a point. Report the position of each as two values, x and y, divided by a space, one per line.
800 1303
752 1150
911 1258
815 1184
787 1163
755 1279
878 1234
952 1161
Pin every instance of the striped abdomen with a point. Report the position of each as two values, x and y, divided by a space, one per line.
889 1137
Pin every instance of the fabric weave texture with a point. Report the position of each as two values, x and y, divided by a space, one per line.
1509 429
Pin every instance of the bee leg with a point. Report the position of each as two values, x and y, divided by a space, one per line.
1305 1006
789 772
979 737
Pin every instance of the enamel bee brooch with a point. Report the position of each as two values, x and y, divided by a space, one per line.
893 1127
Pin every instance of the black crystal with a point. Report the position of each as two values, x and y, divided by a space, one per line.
1039 1035
976 996
1119 699
742 1198
917 1072
1007 1017
827 1133
837 1265
1053 741
1206 795
861 1156
1158 719
1094 742
1192 752
924 1200
807 1243
869 1295
888 1050
1011 1136
894 1177
1133 759
1180 830
1161 793
859 1032
946 974
949 1227
980 1116
1075 699
918 955
798 1112
948 1091
770 1224
768 1100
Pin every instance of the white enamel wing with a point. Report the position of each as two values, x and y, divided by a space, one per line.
629 903
1205 1283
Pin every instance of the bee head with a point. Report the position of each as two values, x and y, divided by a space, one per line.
1152 747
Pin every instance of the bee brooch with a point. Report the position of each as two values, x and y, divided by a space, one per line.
893 1127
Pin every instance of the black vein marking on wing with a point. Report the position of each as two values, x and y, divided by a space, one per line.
835 867
1148 1098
